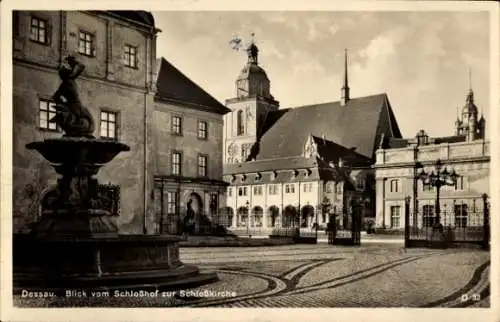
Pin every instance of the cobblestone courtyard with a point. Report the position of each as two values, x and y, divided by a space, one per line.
373 275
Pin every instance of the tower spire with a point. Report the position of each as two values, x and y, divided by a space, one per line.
345 88
252 51
470 80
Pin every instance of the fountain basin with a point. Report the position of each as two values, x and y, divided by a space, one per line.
77 150
123 262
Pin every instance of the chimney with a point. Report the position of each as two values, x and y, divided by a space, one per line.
345 89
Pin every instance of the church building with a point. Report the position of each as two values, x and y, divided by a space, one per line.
398 162
294 166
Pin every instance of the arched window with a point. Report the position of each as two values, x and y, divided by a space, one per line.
239 123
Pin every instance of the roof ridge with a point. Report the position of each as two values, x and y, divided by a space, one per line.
186 78
333 102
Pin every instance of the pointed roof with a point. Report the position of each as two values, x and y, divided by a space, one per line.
359 124
173 86
345 88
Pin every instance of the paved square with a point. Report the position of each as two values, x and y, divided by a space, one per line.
373 275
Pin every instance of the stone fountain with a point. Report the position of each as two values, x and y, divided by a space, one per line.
76 244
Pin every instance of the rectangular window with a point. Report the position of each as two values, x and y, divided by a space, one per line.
202 165
307 187
86 43
243 191
230 192
394 186
257 190
426 187
130 56
176 125
428 216
46 112
39 30
171 202
290 188
329 187
460 183
273 189
202 130
108 125
176 163
461 216
395 216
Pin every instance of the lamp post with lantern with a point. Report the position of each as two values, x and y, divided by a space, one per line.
441 177
247 204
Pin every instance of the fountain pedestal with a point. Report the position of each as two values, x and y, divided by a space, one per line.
76 243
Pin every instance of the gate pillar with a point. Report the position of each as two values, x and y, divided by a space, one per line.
486 222
407 221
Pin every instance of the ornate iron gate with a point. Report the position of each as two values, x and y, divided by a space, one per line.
461 225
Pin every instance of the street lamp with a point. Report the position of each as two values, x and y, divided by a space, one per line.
247 204
316 225
442 177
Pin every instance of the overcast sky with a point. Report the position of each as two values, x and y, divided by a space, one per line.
420 59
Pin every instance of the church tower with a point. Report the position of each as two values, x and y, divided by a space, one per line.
468 124
243 126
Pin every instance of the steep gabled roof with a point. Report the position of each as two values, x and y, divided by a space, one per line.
172 85
355 125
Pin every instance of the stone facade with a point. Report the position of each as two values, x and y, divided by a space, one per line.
121 79
266 202
106 85
177 190
468 154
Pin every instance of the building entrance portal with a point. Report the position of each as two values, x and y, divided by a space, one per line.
196 203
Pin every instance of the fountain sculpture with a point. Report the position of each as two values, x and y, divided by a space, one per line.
76 243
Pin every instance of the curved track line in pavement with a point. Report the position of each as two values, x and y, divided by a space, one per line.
294 279
450 299
357 276
275 285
